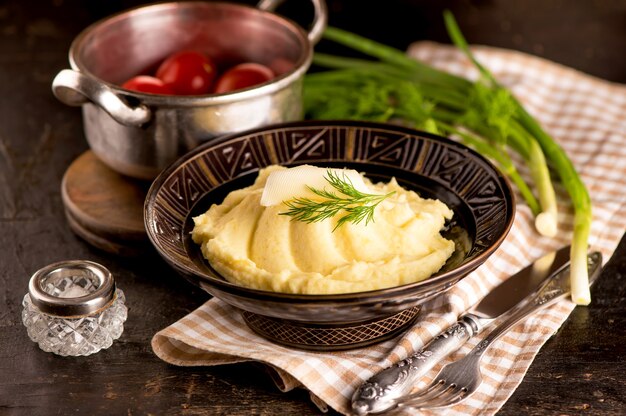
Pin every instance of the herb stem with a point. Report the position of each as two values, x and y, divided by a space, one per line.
393 56
358 206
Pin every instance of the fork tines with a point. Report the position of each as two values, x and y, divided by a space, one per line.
438 394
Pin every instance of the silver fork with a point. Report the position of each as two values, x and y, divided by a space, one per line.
458 380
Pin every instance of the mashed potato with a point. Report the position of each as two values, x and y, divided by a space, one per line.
253 246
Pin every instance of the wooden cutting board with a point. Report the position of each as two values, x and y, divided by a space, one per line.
104 207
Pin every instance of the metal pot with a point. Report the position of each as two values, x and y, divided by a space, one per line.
139 134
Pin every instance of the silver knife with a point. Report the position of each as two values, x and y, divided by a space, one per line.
379 392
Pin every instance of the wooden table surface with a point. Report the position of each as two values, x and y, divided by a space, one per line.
581 370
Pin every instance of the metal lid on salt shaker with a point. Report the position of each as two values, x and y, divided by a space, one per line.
74 308
91 288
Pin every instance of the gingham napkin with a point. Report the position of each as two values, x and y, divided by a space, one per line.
587 116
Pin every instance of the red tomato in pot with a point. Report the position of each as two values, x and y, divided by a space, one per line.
281 66
188 73
242 76
148 84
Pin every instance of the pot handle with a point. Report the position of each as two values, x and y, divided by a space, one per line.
74 88
320 18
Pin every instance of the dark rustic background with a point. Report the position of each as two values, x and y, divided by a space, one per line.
579 371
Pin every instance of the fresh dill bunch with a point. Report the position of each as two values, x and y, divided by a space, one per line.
346 94
357 206
363 94
490 106
411 106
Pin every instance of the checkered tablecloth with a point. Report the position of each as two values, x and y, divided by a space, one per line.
587 116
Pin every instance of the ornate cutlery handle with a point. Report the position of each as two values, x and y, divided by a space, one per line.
379 392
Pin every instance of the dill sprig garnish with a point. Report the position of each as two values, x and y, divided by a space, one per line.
358 206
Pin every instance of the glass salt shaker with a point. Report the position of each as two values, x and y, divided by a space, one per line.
73 308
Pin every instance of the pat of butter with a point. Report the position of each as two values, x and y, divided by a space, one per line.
283 185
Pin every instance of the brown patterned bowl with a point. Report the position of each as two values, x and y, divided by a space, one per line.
479 195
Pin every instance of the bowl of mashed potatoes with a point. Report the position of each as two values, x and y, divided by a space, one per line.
328 235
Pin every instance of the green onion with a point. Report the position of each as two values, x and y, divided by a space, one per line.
569 177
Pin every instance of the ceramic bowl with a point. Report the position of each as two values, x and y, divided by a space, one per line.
435 167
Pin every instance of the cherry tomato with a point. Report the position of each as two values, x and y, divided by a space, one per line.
148 84
188 73
243 76
281 66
